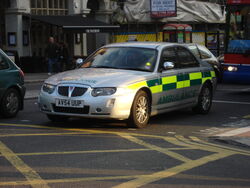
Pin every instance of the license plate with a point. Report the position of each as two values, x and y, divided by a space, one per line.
69 103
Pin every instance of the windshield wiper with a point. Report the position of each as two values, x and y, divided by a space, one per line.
102 66
137 69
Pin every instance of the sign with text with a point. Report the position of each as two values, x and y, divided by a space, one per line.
163 8
238 2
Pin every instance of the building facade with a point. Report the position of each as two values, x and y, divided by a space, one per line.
21 33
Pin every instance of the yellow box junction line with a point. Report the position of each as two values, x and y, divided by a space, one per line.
140 180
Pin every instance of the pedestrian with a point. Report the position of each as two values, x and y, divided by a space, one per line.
51 53
64 56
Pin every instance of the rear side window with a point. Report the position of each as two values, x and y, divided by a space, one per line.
195 50
186 58
3 62
205 54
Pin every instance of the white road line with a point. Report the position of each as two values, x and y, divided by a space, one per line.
231 102
235 132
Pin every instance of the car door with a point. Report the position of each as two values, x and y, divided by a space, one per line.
190 75
171 89
4 78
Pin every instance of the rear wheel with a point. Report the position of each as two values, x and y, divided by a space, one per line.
205 100
10 103
140 111
57 118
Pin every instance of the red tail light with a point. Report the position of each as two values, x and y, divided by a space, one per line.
21 73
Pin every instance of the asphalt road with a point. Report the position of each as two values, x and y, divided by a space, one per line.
174 151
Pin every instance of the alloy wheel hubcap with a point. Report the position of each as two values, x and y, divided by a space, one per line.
12 103
142 109
206 99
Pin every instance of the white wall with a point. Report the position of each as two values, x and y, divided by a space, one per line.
14 23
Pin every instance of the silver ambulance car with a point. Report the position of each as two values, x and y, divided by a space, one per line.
130 81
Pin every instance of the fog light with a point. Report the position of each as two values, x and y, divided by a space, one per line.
45 107
98 110
110 103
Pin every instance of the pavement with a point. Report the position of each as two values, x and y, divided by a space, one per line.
239 136
234 136
33 78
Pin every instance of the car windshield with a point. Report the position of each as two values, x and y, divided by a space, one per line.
130 58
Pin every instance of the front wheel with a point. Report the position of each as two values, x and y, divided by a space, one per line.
205 100
140 111
10 103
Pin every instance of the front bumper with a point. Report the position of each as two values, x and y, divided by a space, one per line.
103 107
242 75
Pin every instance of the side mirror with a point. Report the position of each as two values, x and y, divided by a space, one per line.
79 62
168 65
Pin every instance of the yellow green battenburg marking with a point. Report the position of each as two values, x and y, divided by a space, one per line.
175 82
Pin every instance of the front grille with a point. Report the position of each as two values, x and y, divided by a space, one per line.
63 90
84 110
78 91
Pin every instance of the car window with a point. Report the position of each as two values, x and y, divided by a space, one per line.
195 50
186 58
205 54
169 55
3 62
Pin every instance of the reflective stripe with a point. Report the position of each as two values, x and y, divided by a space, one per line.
175 82
138 85
156 89
213 74
169 79
196 75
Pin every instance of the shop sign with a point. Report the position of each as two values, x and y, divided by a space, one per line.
238 2
92 30
163 8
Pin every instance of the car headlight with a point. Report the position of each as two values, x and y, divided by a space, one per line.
232 69
48 88
103 91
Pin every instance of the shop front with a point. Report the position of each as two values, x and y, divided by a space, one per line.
181 33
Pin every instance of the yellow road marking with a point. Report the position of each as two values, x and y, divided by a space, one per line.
41 134
36 183
73 180
146 179
82 152
156 148
28 172
201 146
183 142
207 144
219 152
30 126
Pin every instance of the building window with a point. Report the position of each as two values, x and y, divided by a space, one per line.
49 7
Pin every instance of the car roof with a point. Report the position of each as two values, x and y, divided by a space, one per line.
150 45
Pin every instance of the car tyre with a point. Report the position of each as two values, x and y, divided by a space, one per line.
57 118
140 111
204 100
10 103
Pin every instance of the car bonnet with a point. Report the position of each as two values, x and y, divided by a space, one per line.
98 77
